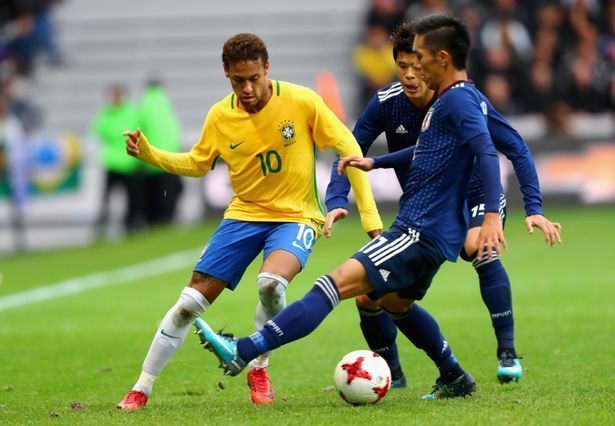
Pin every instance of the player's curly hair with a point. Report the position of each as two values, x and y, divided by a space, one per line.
244 47
402 39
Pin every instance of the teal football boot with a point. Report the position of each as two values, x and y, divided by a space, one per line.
509 366
223 345
399 383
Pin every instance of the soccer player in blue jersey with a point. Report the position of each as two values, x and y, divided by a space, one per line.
398 266
398 110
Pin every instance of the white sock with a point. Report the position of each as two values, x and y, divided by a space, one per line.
170 335
145 382
272 295
260 318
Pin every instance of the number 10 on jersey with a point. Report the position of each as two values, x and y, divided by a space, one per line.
271 162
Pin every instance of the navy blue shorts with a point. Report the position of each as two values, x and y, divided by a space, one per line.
401 261
236 243
476 209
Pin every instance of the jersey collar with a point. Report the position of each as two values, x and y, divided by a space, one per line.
454 83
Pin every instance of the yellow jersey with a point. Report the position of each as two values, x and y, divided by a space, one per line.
270 156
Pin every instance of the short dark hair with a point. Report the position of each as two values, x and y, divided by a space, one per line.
402 39
444 32
244 47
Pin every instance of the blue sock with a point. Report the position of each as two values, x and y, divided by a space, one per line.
495 290
297 320
423 331
380 333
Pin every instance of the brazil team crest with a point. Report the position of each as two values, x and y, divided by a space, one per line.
287 129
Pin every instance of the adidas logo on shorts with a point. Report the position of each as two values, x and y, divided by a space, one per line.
385 274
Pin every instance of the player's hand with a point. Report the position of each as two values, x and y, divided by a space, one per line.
332 217
361 163
552 230
491 236
132 142
375 233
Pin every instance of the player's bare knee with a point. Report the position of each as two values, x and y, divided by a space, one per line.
395 305
351 279
342 275
210 287
272 290
468 255
364 302
198 278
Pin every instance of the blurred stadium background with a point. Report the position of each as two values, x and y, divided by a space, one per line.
549 65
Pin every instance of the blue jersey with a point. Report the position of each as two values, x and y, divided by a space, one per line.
454 132
391 112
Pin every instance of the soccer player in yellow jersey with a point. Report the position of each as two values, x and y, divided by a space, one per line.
267 132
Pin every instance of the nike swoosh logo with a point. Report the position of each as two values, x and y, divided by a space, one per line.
235 145
168 335
299 247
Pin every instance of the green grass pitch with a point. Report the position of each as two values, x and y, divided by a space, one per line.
71 359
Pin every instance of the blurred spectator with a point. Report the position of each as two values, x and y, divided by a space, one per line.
45 32
159 123
606 38
539 91
504 32
386 13
549 51
498 91
18 89
26 28
558 119
13 168
121 170
16 29
426 7
507 39
527 55
373 61
588 83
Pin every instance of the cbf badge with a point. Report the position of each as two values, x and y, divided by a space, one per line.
426 120
287 129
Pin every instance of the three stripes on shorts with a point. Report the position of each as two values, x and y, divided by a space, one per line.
380 250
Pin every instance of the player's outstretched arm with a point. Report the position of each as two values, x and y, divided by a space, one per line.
181 164
370 219
551 230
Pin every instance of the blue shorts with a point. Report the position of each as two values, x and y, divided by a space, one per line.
236 243
402 261
476 209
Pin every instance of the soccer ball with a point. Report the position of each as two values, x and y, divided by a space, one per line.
362 377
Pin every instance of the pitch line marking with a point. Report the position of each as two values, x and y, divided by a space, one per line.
123 275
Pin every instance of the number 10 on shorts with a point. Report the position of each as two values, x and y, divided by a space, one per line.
305 237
